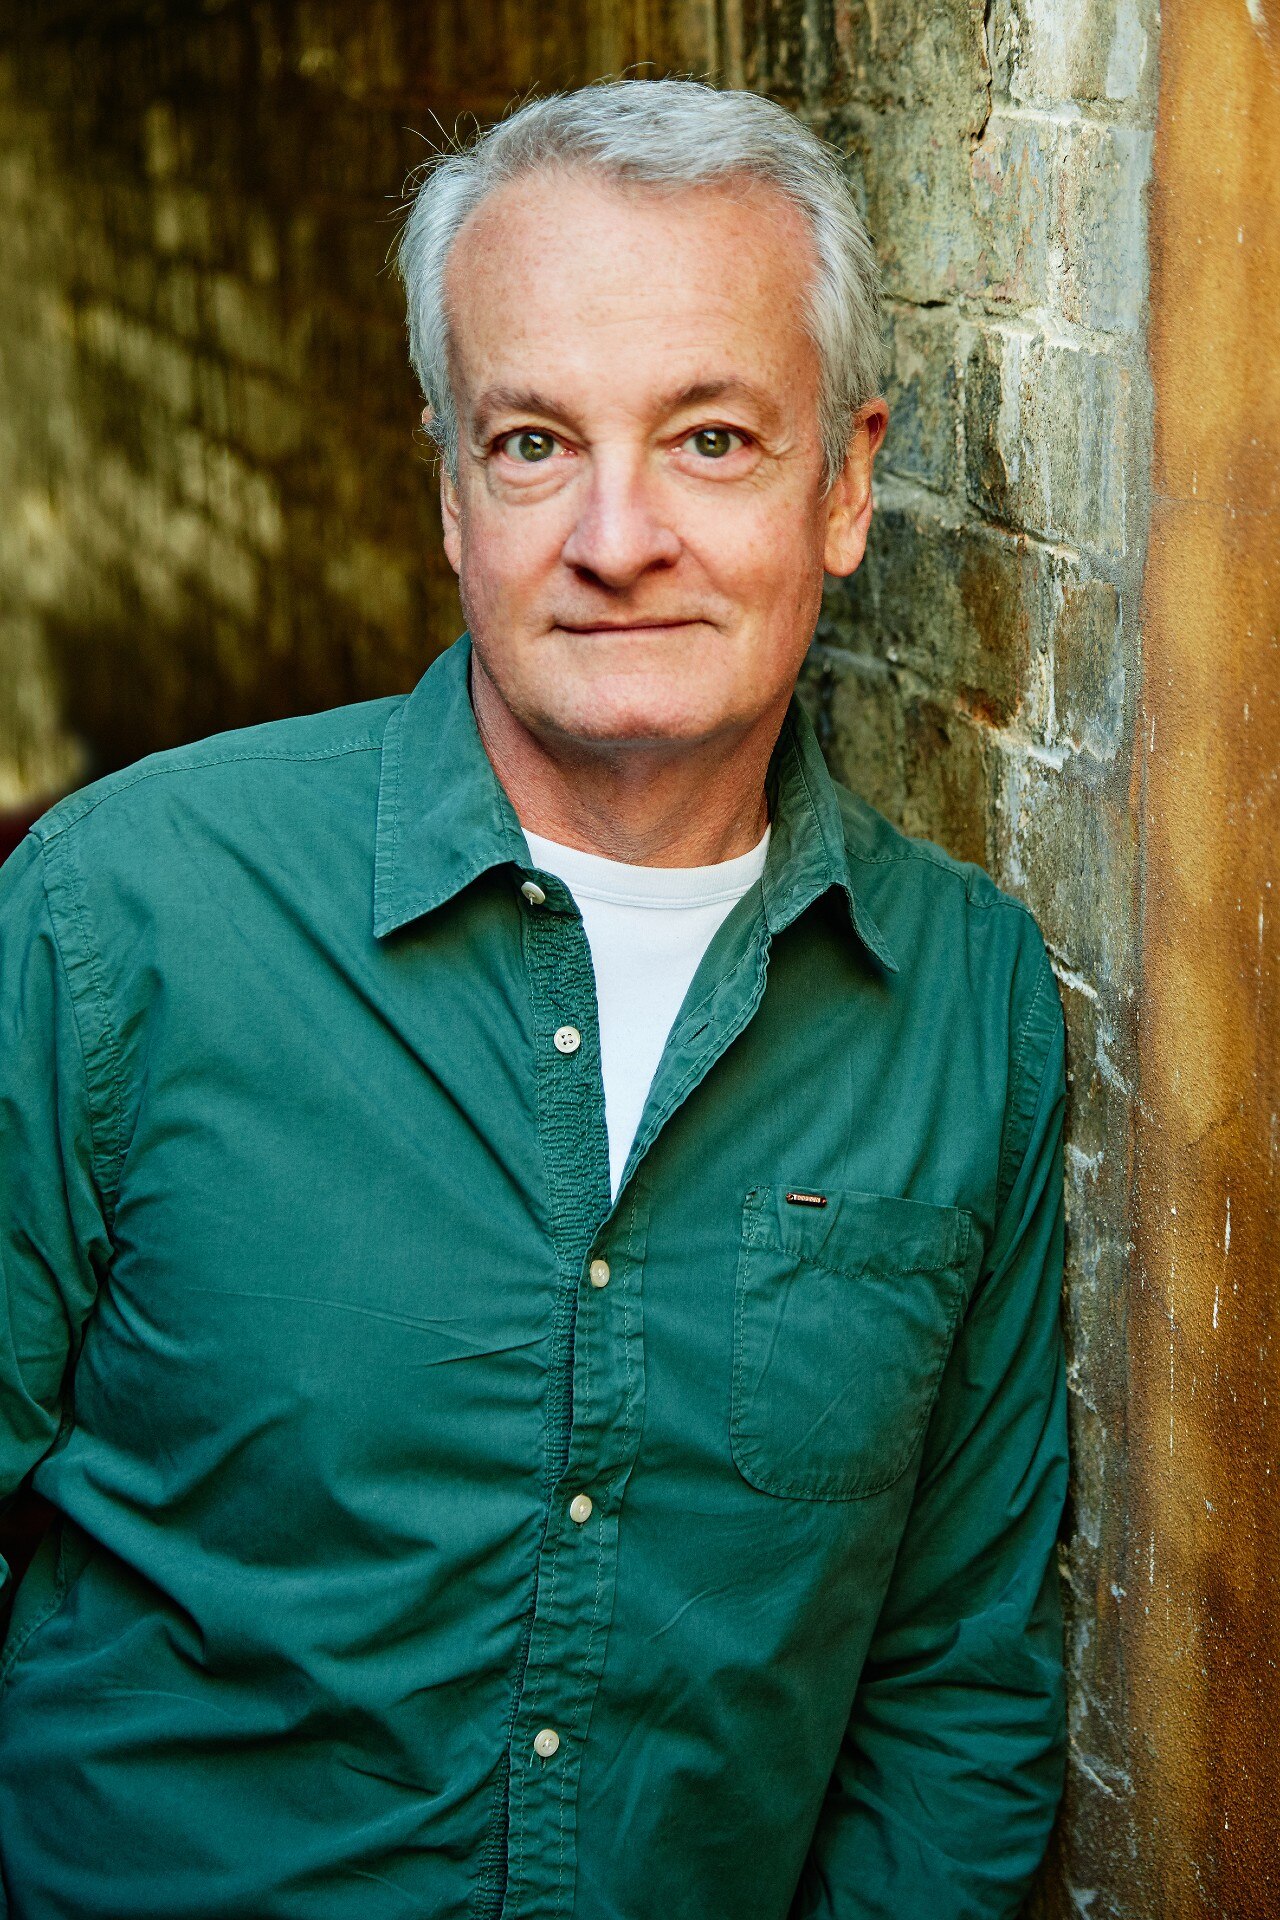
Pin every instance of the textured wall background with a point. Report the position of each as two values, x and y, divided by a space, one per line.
213 509
978 678
210 508
1202 1628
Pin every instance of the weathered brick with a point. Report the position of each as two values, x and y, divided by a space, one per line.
178 301
261 246
990 198
156 363
1099 225
232 493
1098 1093
923 390
931 56
1048 437
1089 651
374 581
862 730
947 779
212 508
1090 51
963 607
1062 823
213 381
231 574
1012 168
903 161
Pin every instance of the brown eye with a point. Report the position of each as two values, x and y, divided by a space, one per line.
713 442
529 445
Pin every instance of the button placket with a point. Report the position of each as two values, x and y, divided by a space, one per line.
570 1596
576 1574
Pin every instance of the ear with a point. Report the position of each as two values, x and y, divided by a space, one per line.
451 515
849 501
450 509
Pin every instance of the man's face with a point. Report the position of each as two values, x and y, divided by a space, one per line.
639 523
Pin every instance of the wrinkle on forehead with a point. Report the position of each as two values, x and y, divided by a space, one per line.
538 403
561 275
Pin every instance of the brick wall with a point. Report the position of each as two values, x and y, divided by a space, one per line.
978 678
212 509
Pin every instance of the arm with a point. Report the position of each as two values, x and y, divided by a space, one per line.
949 1776
53 1235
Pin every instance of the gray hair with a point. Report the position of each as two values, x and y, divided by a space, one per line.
662 134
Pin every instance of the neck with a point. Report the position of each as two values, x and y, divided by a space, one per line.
653 805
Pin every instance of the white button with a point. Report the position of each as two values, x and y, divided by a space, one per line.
533 893
546 1743
599 1272
567 1039
580 1508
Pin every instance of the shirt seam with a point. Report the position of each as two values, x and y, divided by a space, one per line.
391 784
942 864
47 835
1016 1089
108 1188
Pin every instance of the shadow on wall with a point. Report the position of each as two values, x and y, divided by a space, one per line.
216 504
211 512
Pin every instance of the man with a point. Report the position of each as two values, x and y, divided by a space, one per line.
533 1280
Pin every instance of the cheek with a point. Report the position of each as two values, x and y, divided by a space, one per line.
764 553
508 552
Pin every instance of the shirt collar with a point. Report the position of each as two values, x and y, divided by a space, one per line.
809 852
444 818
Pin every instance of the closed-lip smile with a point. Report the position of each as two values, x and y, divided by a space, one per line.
625 626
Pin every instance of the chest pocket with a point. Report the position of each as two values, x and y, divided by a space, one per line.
843 1320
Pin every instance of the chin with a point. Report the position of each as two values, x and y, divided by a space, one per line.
619 711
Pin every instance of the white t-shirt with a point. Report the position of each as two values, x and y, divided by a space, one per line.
648 928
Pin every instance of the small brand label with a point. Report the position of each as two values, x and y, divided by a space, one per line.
807 1199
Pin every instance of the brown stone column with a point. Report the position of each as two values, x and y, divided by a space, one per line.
1202 1605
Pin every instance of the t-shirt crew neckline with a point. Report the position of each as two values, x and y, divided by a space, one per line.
591 876
648 929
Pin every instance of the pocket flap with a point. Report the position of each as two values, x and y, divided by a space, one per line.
854 1231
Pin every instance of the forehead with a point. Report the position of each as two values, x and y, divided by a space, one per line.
563 277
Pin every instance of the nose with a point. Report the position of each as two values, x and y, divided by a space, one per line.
621 532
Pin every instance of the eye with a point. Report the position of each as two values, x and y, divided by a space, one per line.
529 445
713 443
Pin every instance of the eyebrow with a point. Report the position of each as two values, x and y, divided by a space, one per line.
703 392
514 400
527 400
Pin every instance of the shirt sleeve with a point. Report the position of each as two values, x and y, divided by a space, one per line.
54 1241
950 1773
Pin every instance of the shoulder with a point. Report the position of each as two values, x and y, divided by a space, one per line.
135 863
898 866
973 966
953 932
249 759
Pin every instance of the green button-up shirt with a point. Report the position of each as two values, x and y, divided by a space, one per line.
321 1322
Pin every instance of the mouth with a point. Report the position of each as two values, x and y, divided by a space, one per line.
593 627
